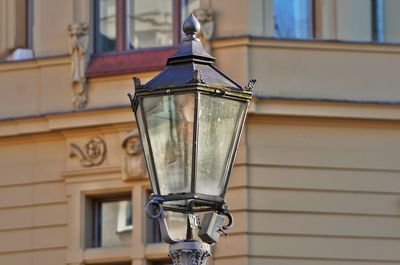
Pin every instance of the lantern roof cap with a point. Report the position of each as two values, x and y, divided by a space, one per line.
191 64
191 47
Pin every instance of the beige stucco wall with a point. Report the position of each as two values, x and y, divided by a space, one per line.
323 189
33 226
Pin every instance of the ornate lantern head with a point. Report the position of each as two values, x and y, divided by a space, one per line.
190 117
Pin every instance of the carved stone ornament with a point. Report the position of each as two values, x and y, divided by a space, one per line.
92 154
191 253
206 19
133 163
77 50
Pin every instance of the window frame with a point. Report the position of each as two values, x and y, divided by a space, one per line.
127 61
95 202
121 41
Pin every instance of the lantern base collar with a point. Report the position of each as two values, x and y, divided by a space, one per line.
189 252
190 202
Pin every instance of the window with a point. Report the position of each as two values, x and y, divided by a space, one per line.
355 20
17 44
109 221
293 19
385 21
134 24
368 20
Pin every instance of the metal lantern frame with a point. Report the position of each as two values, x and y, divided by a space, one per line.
198 202
191 71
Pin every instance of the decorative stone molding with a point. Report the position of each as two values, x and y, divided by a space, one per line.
133 163
77 50
191 252
92 154
206 19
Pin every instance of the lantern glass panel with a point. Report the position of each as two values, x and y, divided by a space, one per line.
219 121
169 121
146 147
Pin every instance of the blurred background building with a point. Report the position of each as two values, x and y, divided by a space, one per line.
317 177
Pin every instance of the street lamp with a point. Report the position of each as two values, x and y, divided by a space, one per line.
190 117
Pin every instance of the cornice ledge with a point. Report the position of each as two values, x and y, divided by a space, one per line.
64 121
366 110
110 169
313 44
45 61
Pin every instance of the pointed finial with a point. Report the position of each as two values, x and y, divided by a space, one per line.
191 27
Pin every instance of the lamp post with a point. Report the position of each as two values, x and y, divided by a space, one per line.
190 117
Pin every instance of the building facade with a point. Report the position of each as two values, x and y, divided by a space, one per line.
316 179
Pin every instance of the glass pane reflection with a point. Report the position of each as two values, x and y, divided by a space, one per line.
150 23
107 31
218 122
170 127
293 19
115 223
146 148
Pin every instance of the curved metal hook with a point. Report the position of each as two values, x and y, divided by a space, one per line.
230 221
160 217
159 213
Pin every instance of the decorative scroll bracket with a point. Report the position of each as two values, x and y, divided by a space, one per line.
92 154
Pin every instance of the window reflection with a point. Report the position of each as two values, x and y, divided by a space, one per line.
150 23
293 19
386 20
107 26
112 222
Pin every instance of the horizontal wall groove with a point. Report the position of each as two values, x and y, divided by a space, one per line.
373 261
34 250
32 205
318 213
266 188
23 184
60 225
317 236
316 167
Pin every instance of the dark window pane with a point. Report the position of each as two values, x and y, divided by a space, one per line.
106 30
150 23
293 19
112 222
